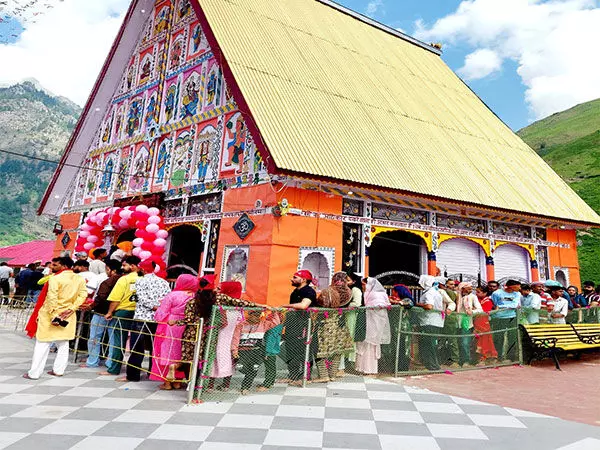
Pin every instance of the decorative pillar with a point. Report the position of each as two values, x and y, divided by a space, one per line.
432 268
535 271
489 268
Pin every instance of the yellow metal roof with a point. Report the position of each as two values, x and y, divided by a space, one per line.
336 97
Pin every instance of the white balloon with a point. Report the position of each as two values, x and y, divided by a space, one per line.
154 219
141 208
163 234
93 239
153 211
152 228
88 246
138 242
145 254
136 251
84 233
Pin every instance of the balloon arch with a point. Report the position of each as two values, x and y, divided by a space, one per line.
150 235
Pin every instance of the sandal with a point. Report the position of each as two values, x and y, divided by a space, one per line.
54 374
166 386
27 377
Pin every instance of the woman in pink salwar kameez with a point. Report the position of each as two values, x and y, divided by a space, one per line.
167 343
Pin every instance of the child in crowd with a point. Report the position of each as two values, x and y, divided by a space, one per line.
248 345
531 303
558 306
485 342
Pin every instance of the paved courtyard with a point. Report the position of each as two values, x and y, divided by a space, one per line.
85 411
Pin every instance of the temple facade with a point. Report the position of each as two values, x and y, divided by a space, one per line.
259 166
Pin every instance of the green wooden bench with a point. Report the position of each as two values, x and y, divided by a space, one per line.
548 340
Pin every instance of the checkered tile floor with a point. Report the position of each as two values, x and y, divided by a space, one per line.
85 411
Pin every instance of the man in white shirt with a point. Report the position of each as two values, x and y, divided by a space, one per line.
531 303
82 268
5 274
431 322
97 264
558 306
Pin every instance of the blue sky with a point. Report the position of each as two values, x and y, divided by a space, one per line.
526 59
503 92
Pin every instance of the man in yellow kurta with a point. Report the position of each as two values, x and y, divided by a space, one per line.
57 318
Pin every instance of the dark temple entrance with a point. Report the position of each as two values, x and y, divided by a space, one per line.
185 252
396 251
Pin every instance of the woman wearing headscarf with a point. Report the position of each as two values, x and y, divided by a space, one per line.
378 330
223 365
168 340
402 299
467 304
354 283
431 322
333 336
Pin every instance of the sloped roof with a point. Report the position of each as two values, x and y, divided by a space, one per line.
336 97
26 253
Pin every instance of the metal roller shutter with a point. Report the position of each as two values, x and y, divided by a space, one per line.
511 261
461 256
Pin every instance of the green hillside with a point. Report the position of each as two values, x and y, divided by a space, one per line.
33 123
570 142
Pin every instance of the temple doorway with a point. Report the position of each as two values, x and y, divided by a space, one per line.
397 251
185 251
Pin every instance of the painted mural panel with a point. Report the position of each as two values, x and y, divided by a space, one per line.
181 161
172 122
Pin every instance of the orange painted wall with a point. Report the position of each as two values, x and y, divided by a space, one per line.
564 257
275 242
70 222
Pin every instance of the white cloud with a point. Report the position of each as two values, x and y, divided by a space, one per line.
552 42
373 6
480 64
65 48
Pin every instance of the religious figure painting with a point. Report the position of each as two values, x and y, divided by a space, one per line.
123 174
161 22
163 161
92 179
146 66
184 9
235 144
118 123
177 51
134 117
107 175
191 96
151 109
197 42
171 102
139 170
212 96
206 140
182 157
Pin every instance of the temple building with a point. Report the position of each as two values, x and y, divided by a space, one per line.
277 135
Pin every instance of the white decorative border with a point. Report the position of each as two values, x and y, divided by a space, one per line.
327 252
226 252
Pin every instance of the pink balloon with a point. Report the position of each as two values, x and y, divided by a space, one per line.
84 233
145 254
88 246
141 208
85 227
160 243
138 242
154 219
136 251
152 228
163 234
123 223
153 211
93 239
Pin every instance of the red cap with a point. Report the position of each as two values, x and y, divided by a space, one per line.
304 274
146 266
211 282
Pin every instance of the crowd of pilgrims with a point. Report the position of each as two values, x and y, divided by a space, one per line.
323 331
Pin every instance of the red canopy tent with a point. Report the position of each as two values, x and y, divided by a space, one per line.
22 254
